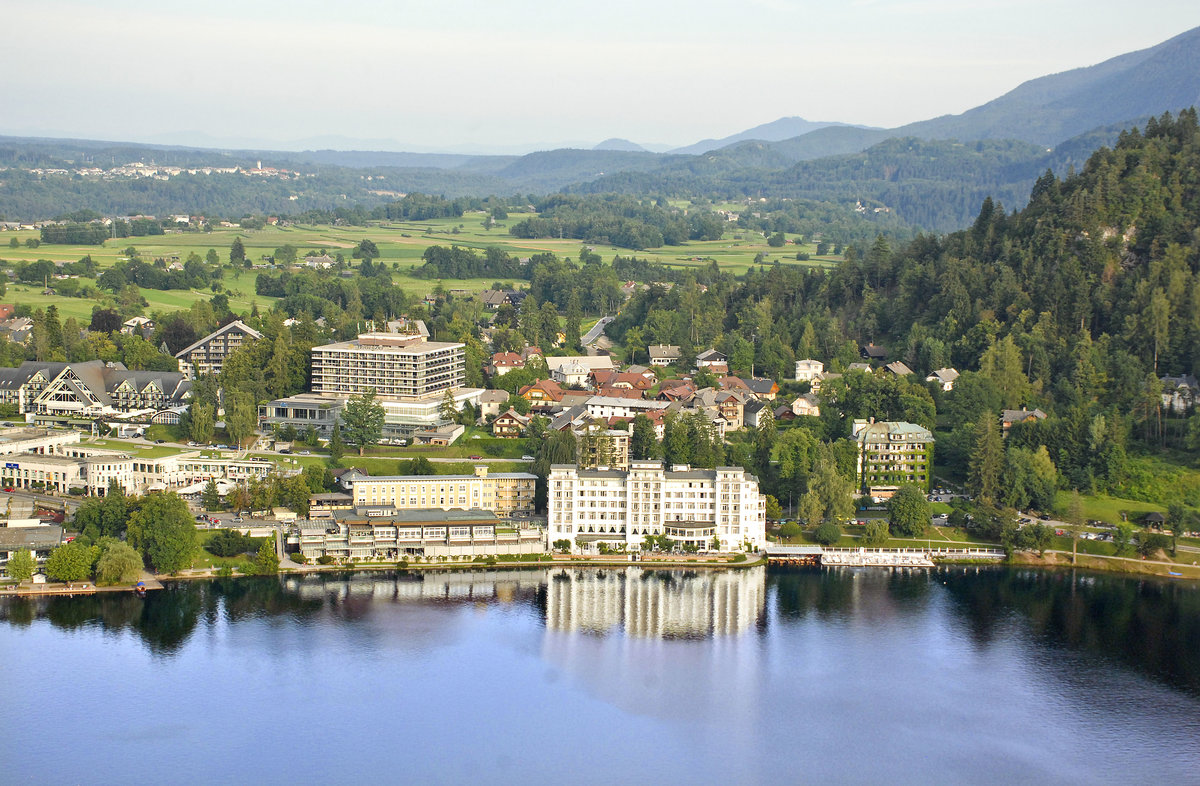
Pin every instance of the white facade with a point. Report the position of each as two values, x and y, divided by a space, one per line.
807 370
687 505
604 407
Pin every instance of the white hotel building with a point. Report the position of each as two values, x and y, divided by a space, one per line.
687 505
410 377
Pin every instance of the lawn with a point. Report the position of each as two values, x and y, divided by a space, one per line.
1112 510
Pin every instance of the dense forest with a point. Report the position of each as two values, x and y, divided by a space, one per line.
1077 304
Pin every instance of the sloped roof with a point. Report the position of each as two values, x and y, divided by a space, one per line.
237 324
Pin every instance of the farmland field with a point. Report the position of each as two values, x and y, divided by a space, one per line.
400 243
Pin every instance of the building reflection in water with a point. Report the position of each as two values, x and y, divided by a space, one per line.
655 603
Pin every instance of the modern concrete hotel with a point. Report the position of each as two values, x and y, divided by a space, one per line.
409 375
393 366
690 506
507 494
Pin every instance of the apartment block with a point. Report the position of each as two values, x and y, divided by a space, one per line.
892 454
207 356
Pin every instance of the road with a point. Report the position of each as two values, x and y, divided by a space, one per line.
596 330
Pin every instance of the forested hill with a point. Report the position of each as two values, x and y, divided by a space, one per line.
934 185
1076 305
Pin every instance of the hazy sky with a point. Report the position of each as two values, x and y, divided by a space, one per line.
458 74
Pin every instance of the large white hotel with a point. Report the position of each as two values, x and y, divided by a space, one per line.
690 506
410 377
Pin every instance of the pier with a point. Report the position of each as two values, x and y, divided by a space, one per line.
780 554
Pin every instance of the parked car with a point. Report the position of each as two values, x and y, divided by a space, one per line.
160 441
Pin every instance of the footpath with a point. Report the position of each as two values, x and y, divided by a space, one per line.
1131 565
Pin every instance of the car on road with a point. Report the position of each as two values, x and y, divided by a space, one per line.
475 458
160 441
306 453
527 457
8 490
237 519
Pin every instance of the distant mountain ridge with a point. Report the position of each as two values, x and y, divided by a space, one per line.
1050 122
775 131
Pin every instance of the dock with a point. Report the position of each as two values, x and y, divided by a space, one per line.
780 554
77 588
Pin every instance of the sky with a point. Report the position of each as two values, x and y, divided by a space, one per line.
517 75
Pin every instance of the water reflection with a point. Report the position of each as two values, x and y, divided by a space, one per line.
655 603
1149 626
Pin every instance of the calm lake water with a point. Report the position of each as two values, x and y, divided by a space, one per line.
606 676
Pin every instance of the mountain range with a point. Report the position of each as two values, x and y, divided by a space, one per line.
998 148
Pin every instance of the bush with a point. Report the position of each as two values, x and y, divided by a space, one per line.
229 543
1148 544
739 557
827 534
326 560
789 530
875 533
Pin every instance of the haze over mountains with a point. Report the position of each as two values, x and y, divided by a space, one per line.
999 148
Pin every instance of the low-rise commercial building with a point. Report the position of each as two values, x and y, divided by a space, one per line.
38 540
302 412
388 534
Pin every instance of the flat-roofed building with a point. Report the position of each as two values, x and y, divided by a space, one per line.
39 541
301 412
36 440
689 506
37 471
387 534
409 375
507 494
393 366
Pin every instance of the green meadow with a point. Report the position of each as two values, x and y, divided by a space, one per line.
400 243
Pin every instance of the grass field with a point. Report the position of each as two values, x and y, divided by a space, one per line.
1109 509
401 243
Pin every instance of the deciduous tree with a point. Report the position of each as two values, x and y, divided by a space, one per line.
908 512
163 531
21 566
118 564
362 420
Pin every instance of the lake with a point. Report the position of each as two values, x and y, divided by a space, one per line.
978 675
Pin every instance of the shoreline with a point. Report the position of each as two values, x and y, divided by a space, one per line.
1053 561
750 562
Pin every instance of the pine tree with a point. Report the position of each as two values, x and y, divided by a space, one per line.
237 252
574 318
986 464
